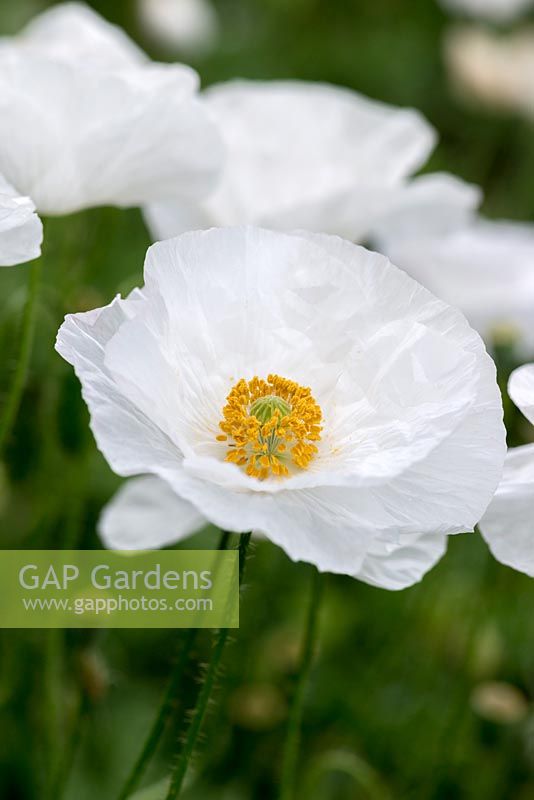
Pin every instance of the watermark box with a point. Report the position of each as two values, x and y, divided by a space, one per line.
119 589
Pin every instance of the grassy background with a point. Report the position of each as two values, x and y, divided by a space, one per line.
390 711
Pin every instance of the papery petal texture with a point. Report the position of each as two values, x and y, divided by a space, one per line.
72 138
485 268
412 443
401 564
21 230
303 155
146 513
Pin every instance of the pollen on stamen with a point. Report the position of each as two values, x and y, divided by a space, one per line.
271 426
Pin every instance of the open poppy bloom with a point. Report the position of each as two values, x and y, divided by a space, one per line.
483 267
508 525
303 155
296 385
21 231
72 137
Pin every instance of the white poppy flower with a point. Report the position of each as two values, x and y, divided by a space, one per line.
297 385
73 32
493 10
433 205
73 138
508 524
303 155
147 504
521 389
21 231
485 268
495 70
188 25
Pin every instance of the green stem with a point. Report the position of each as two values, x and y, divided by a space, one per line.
162 718
204 696
293 734
167 705
16 389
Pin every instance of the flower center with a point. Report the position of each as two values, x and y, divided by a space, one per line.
270 425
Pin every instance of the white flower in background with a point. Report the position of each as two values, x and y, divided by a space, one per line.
492 10
292 384
303 155
434 205
190 26
86 119
484 268
497 71
508 525
73 32
72 138
21 231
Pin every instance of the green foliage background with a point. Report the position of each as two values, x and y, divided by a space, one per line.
389 712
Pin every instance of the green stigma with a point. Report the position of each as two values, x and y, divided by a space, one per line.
264 407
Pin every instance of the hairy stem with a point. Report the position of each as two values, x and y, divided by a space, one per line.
167 705
204 696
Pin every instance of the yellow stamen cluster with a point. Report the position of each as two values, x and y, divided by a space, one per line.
269 425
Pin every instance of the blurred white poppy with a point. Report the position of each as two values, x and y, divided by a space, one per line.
484 268
497 71
508 525
189 26
21 231
493 10
433 205
86 119
292 384
74 32
303 155
73 138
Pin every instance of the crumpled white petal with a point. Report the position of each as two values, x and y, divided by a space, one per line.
483 268
399 565
521 390
433 205
413 440
73 32
71 139
131 441
146 514
508 525
21 230
303 155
